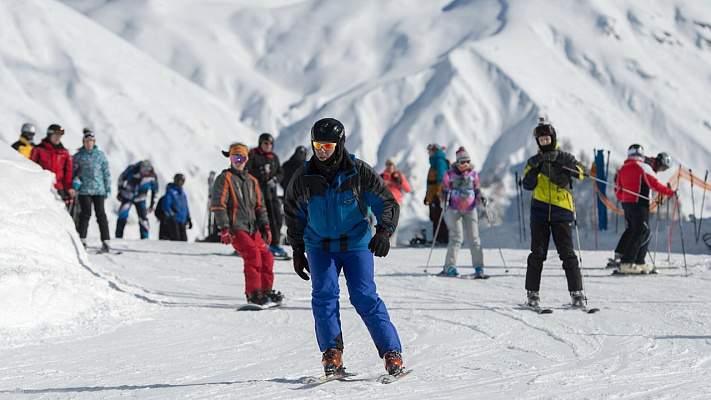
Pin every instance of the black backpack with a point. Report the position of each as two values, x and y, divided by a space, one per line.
159 209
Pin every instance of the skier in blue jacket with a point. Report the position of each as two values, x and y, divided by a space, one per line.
176 214
326 207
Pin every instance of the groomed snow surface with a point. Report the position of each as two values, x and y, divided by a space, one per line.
159 322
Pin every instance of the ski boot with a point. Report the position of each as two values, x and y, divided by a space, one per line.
646 269
577 299
274 296
105 247
393 362
533 299
479 273
449 271
83 242
614 262
277 251
332 361
629 268
258 298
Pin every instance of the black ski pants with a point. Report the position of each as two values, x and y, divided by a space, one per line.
562 232
176 230
85 203
276 219
637 217
435 215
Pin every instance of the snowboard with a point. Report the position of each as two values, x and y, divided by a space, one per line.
257 307
315 381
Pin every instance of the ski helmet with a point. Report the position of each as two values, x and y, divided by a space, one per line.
300 150
328 130
54 128
544 129
635 150
27 131
664 162
179 179
266 137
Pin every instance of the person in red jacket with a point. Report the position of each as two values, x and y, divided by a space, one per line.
397 183
51 155
637 178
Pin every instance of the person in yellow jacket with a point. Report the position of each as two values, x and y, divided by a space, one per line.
438 167
25 145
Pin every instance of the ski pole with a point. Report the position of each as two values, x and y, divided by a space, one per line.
693 206
436 232
656 235
580 251
703 197
496 237
681 232
518 208
523 209
585 174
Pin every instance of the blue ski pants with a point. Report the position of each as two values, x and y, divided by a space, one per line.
358 268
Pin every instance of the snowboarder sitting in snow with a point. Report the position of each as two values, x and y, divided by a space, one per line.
549 175
326 215
176 214
236 202
461 187
133 186
636 176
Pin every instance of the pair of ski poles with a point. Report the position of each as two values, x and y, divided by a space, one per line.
439 222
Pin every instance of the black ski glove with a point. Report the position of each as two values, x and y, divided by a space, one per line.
380 243
536 161
300 262
396 178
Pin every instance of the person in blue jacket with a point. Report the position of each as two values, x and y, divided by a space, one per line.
326 207
176 214
92 179
133 187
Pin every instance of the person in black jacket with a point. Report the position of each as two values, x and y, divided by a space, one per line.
297 160
264 165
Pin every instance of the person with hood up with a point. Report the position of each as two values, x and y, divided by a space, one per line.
438 166
292 164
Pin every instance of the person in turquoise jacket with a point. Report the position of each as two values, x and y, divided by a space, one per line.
91 179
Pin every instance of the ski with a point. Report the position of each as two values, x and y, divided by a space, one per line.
474 276
582 308
108 252
537 309
315 381
257 307
385 378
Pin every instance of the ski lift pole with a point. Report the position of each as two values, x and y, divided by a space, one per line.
496 237
703 198
693 206
436 232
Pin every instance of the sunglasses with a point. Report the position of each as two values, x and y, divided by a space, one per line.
238 158
543 130
325 146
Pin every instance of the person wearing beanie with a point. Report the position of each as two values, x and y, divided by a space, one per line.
326 208
637 178
24 145
549 174
92 179
462 191
438 166
238 206
292 164
264 165
397 183
176 213
51 155
133 186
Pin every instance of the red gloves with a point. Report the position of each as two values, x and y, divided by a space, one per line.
267 235
226 236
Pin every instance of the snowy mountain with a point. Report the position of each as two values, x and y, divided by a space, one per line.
177 81
159 78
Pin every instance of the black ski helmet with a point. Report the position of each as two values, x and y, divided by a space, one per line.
266 137
54 128
301 150
544 129
328 130
178 179
27 131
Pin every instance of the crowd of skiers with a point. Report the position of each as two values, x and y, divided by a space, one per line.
328 200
